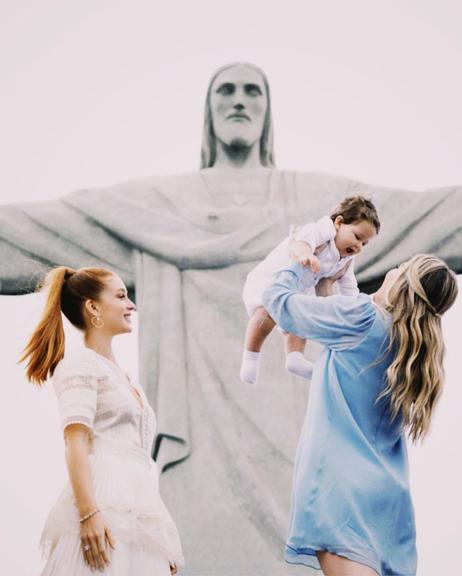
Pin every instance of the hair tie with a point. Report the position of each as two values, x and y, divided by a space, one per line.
68 274
417 287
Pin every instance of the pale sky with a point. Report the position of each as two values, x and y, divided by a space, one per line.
100 92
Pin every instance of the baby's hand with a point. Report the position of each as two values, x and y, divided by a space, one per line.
315 264
310 261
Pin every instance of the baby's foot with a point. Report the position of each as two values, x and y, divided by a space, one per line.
298 364
249 367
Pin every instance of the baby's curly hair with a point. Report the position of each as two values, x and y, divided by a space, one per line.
356 208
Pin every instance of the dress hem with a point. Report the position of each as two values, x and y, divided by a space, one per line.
307 556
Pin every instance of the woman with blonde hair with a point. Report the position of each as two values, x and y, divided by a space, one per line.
379 376
110 516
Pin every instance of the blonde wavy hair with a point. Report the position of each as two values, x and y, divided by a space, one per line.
420 295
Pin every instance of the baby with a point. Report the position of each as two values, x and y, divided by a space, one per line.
324 247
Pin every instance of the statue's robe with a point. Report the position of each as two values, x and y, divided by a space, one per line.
186 243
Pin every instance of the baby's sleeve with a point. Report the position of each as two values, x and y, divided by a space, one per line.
347 284
316 233
76 387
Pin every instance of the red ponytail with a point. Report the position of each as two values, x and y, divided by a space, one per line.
46 345
68 290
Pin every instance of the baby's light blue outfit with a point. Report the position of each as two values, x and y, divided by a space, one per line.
351 489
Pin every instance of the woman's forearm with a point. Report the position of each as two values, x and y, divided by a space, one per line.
78 466
95 535
285 287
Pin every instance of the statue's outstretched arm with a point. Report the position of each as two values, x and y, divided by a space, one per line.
413 222
37 236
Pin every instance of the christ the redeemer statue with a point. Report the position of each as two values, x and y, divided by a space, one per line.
185 243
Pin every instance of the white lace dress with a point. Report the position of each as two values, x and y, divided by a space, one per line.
93 391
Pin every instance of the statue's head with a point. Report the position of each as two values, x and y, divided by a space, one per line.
238 112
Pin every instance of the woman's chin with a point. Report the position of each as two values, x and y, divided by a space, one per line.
125 328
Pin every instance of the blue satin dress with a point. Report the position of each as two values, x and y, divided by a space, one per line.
351 489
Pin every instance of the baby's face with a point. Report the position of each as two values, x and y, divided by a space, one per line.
351 238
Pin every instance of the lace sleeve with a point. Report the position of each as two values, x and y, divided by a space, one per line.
77 397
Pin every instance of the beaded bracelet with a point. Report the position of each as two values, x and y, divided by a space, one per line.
82 520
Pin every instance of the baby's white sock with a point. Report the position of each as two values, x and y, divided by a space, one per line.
249 367
298 364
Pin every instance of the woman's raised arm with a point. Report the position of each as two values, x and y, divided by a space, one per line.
335 321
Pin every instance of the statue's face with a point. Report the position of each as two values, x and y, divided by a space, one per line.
238 103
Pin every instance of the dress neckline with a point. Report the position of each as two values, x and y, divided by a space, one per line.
133 389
